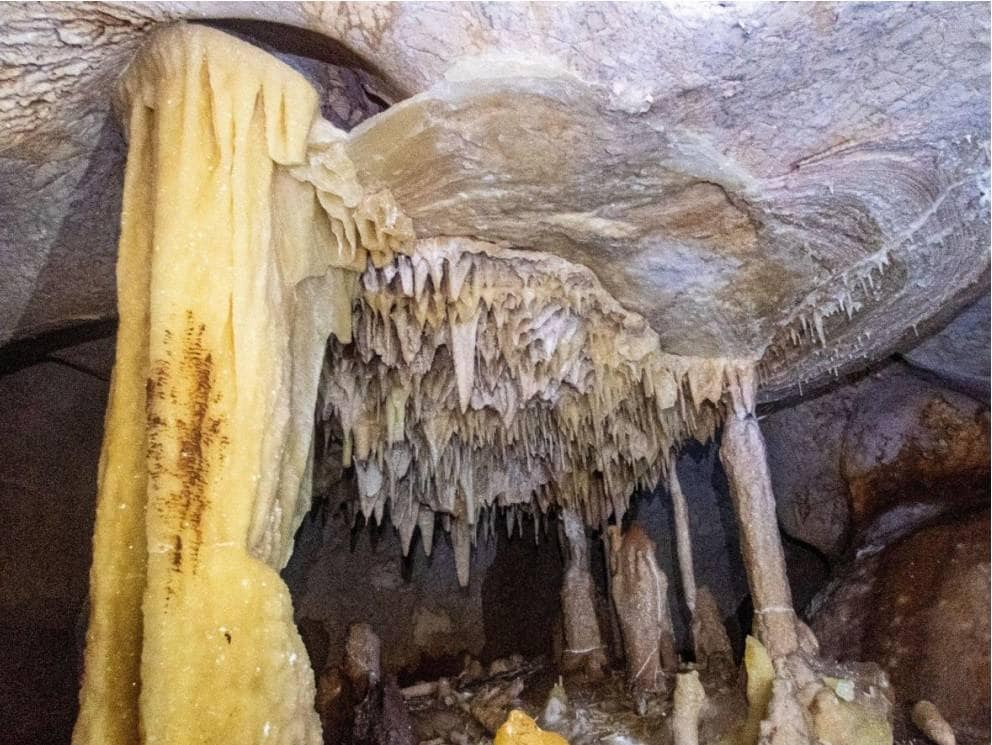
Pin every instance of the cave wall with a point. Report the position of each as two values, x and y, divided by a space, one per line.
888 476
51 426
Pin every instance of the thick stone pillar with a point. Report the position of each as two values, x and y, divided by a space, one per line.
640 596
742 453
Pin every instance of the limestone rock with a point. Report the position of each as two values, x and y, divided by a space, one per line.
841 722
888 440
823 243
910 441
919 607
958 355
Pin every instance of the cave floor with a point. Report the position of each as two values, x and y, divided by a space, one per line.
588 712
467 709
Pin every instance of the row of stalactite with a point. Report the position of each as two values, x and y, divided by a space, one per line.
478 377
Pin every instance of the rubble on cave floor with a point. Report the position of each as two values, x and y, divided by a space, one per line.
468 709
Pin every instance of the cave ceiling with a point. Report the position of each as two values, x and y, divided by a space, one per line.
801 185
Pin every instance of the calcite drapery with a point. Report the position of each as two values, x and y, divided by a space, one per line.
233 270
466 377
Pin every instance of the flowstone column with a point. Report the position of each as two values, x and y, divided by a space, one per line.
230 281
785 720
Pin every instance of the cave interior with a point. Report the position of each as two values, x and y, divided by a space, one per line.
369 450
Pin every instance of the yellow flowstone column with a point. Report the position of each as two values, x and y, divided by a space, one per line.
226 301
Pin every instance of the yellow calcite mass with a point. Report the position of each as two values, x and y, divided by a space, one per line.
520 729
760 675
226 300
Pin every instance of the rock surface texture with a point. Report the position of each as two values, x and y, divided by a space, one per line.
889 478
509 258
920 608
799 184
890 441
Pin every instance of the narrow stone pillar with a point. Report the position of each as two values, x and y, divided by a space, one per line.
683 538
742 452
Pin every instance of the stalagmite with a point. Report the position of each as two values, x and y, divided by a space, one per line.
687 705
238 257
640 595
362 658
742 452
709 636
584 648
760 675
927 717
683 538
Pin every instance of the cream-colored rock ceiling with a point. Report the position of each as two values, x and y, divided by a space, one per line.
802 184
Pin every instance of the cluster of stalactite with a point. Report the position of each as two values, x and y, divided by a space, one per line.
808 328
480 377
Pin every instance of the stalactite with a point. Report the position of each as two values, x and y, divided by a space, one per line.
509 378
